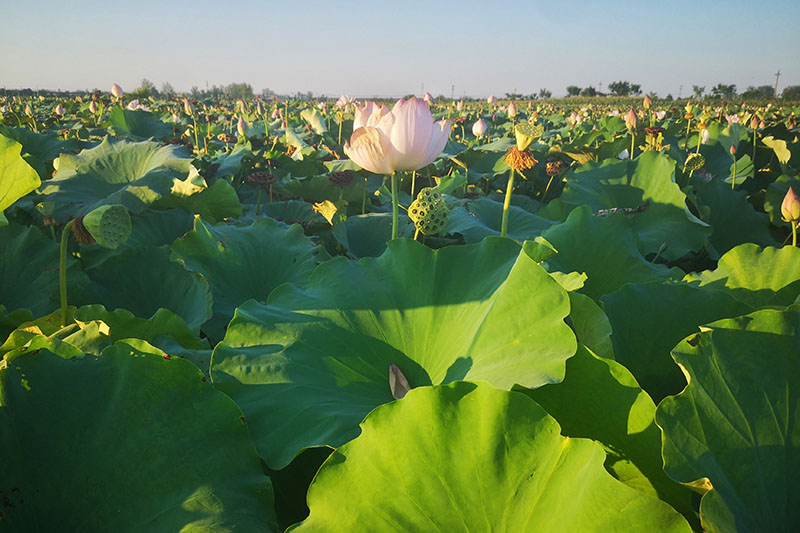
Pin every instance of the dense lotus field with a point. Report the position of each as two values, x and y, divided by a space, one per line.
589 319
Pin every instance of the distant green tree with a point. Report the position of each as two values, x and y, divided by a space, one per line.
624 88
238 91
792 92
698 91
722 90
589 91
573 90
145 90
762 92
544 93
669 97
166 90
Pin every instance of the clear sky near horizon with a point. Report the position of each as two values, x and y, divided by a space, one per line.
391 49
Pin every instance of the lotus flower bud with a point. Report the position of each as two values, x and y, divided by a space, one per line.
427 98
28 110
790 208
624 154
491 100
59 110
460 105
241 127
187 107
479 128
92 107
631 120
704 136
116 90
259 108
512 110
660 115
275 114
733 150
754 122
647 102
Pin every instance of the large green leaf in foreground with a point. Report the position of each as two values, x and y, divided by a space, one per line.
754 275
599 399
737 423
308 367
242 263
127 441
467 457
17 178
136 175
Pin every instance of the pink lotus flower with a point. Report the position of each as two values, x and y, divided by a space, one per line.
660 115
647 102
427 98
479 128
344 101
460 105
512 110
116 90
275 114
241 127
405 138
491 100
59 110
92 107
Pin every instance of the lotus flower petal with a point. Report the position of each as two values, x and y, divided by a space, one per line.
369 148
411 134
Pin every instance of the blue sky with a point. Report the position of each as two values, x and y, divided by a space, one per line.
388 48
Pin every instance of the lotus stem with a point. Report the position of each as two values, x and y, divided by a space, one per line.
62 272
755 139
196 141
258 201
733 183
340 131
633 138
395 209
413 182
364 198
794 233
506 203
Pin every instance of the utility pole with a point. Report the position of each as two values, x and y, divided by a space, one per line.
680 91
452 91
777 75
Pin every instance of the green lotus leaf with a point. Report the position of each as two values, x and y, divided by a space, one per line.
143 280
367 235
605 248
648 179
319 188
315 120
467 457
754 275
40 149
17 178
737 423
309 366
481 218
138 125
128 441
214 203
590 324
241 263
649 319
599 399
134 175
293 212
29 263
732 217
230 164
779 147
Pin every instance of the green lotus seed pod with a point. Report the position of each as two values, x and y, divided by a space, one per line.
110 225
695 161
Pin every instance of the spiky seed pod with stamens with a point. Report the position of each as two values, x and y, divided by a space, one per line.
519 160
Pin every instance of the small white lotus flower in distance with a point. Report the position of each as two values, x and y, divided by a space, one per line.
116 90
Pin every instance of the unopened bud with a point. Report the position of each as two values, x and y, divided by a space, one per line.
790 208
